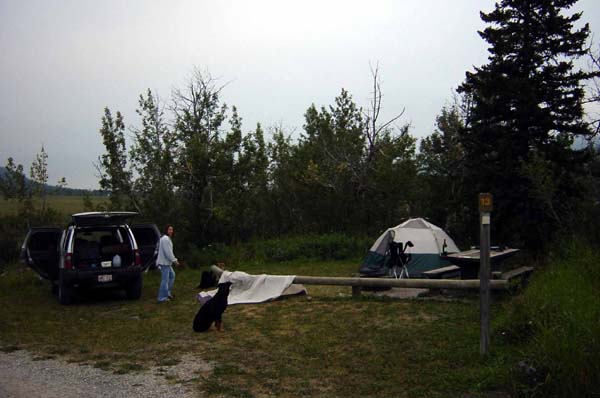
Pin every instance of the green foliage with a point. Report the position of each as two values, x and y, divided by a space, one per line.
39 176
442 173
20 211
329 161
306 247
13 183
114 175
87 203
555 324
316 247
343 178
198 121
11 231
220 185
152 157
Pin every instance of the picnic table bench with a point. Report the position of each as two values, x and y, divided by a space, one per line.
451 271
468 261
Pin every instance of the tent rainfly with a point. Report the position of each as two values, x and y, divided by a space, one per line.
429 242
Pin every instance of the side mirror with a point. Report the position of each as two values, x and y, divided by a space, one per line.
409 244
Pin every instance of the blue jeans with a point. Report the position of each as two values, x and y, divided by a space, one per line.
166 282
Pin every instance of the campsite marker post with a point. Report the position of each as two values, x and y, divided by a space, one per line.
486 206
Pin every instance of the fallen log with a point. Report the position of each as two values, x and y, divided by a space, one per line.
459 284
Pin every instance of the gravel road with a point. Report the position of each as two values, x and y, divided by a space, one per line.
22 375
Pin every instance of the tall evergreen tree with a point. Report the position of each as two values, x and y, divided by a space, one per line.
283 176
331 153
527 113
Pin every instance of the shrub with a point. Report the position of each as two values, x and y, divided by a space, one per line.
206 256
12 232
317 247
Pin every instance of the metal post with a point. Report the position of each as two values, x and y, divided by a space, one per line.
485 207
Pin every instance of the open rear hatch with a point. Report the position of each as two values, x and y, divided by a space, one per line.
102 218
146 237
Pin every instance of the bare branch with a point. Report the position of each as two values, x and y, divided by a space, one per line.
373 127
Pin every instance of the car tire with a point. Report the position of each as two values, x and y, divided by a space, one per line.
65 292
134 289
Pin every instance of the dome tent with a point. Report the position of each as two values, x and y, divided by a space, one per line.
428 241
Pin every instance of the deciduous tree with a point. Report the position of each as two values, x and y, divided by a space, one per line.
441 164
152 156
39 177
112 165
198 119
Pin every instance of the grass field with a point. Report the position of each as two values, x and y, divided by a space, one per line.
65 205
326 344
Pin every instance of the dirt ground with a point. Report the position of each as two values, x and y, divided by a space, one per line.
22 375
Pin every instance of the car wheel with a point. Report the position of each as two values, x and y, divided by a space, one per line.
134 289
65 292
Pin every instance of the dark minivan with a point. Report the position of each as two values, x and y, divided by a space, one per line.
97 249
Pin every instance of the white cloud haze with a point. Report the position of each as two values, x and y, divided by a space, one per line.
63 61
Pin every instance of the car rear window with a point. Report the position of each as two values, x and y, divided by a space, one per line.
97 244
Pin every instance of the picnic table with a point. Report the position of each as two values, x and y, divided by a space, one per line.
468 261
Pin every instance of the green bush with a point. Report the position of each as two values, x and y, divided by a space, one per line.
12 232
317 247
196 257
556 323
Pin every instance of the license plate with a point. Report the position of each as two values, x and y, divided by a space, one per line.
105 264
104 278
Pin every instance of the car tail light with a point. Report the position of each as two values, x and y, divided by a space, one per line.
138 258
68 262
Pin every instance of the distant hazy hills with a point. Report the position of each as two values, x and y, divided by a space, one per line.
56 190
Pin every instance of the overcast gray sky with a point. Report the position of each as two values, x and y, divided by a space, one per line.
62 62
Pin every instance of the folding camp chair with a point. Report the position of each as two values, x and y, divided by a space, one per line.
399 258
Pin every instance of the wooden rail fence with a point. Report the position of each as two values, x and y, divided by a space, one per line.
355 282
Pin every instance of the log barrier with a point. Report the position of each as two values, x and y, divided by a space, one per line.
459 284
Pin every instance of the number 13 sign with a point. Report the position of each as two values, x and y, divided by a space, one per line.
486 202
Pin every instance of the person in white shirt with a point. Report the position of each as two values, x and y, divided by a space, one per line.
165 262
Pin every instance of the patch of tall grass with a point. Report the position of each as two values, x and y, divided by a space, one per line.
556 325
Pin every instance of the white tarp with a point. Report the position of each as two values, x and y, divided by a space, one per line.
247 289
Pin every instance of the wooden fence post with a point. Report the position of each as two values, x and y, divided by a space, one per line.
485 209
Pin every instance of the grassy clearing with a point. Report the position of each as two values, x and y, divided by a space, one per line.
65 205
326 344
